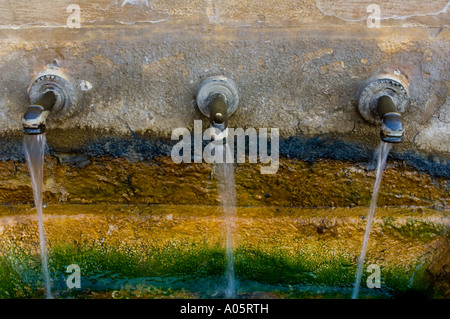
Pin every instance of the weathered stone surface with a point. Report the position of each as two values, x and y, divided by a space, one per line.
297 64
324 183
273 245
439 269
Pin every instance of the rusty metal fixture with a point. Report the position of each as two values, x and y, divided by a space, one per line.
218 111
53 93
381 100
34 118
217 93
217 98
391 121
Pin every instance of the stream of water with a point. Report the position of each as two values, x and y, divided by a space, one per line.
227 194
381 154
34 146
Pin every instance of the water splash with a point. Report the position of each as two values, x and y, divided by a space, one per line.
381 154
34 146
227 194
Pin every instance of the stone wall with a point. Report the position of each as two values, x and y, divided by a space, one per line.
115 196
298 65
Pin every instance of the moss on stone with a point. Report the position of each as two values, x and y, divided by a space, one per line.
20 271
103 269
282 266
183 247
415 228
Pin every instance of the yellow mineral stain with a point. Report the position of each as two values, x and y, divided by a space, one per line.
139 228
391 47
101 60
333 67
309 56
296 183
175 61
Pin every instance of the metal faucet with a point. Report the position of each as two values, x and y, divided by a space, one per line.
391 120
36 114
381 100
54 93
217 98
218 111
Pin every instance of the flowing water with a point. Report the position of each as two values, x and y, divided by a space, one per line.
34 146
227 195
381 154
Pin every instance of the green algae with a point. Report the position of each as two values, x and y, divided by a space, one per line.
12 283
280 266
20 271
107 269
170 251
422 230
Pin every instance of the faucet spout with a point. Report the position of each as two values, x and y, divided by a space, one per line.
35 116
391 120
217 98
218 111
